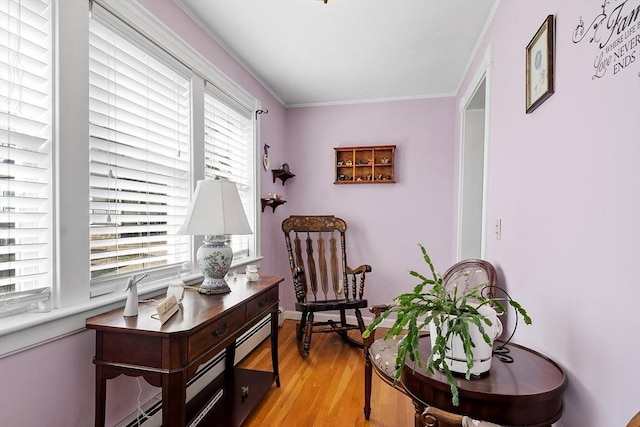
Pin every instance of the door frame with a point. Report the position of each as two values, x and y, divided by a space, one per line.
483 74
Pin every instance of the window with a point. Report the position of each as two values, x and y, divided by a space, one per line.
228 154
107 198
25 148
139 158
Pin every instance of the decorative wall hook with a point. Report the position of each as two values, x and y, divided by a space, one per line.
265 157
261 112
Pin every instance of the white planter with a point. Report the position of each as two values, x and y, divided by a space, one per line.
482 352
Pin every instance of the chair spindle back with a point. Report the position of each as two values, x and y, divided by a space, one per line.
318 258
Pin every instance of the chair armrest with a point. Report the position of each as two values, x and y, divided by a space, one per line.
357 291
434 417
364 268
377 310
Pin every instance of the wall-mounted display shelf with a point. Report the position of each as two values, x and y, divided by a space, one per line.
282 174
372 164
273 203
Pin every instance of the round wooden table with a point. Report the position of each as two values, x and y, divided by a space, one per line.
527 392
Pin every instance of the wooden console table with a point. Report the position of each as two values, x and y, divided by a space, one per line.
168 355
527 392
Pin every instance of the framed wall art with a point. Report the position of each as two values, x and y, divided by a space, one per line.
540 65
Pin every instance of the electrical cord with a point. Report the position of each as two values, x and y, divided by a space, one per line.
140 414
502 352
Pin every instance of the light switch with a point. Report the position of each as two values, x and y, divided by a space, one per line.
499 229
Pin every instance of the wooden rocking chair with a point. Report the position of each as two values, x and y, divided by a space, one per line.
321 277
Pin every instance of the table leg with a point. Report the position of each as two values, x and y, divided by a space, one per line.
101 396
230 358
174 396
274 346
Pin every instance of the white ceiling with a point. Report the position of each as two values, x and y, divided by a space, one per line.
310 53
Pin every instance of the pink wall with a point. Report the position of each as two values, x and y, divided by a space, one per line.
565 180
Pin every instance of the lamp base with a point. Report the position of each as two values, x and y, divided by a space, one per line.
214 287
214 258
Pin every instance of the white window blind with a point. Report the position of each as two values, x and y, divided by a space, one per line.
25 147
229 154
139 158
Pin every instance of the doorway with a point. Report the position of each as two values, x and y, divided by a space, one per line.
474 137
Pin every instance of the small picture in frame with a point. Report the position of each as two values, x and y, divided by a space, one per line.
540 65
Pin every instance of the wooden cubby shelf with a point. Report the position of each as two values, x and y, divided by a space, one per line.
372 164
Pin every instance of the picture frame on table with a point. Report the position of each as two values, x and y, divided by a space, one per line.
540 64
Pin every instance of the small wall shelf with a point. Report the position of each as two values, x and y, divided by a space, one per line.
273 203
365 165
282 174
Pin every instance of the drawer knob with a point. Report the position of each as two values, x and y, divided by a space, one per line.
221 330
264 301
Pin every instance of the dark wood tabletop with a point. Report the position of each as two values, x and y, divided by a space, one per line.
527 392
198 309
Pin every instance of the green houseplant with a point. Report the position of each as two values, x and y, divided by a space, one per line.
449 312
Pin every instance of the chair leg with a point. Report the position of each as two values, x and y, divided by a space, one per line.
307 335
419 408
344 327
343 324
301 326
367 383
360 321
300 334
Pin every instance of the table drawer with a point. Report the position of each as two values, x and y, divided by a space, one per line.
216 332
141 350
260 304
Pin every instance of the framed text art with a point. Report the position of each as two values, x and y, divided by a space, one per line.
540 65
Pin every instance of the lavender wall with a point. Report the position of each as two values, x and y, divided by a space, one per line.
53 385
386 221
565 181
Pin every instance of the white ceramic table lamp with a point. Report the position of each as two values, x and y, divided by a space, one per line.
215 212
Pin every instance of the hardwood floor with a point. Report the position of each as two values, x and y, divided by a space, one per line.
325 389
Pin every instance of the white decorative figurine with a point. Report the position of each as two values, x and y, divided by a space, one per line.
131 306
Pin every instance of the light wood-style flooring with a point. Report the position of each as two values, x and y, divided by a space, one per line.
324 390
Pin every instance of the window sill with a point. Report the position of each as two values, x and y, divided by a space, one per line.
27 330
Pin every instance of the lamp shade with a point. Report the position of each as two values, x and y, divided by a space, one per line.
215 209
